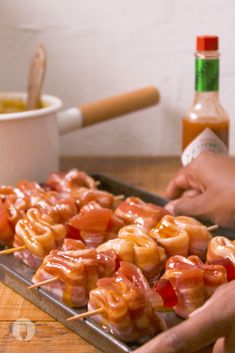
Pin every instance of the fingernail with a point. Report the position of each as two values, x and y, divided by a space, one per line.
170 207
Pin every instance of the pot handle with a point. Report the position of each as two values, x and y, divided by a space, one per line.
106 109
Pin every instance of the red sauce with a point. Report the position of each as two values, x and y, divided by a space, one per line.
192 128
167 292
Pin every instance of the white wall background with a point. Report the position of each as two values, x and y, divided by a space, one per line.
97 48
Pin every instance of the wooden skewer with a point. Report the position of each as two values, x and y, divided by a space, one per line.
43 283
119 197
212 228
86 314
12 250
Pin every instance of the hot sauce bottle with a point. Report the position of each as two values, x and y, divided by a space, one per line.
206 124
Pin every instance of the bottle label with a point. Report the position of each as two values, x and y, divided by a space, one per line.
207 75
207 140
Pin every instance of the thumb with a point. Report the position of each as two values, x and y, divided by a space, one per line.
189 206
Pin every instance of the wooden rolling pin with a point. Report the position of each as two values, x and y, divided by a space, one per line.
112 107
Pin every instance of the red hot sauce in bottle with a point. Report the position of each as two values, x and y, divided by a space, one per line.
206 124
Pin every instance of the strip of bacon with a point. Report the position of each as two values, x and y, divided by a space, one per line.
108 262
96 224
16 208
92 218
6 191
70 182
85 195
29 188
228 265
135 211
214 275
134 275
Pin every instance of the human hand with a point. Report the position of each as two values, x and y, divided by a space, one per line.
205 188
214 321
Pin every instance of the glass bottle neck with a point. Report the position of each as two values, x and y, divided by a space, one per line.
212 97
207 72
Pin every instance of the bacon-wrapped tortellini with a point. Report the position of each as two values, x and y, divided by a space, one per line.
193 281
96 224
199 236
129 305
39 234
13 205
76 271
59 207
182 236
221 248
70 181
135 246
135 211
81 187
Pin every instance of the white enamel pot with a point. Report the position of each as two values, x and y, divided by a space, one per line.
29 140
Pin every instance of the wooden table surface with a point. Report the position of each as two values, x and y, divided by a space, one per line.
149 173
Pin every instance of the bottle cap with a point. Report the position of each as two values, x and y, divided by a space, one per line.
207 43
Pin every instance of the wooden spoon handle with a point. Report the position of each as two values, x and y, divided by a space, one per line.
36 78
113 107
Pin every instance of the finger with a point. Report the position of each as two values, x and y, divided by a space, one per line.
215 296
187 178
188 336
189 206
219 346
178 185
188 193
191 193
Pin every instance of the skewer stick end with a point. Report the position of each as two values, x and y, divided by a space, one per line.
119 197
43 283
86 314
212 228
12 250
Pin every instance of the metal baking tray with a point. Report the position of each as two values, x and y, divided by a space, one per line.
17 276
